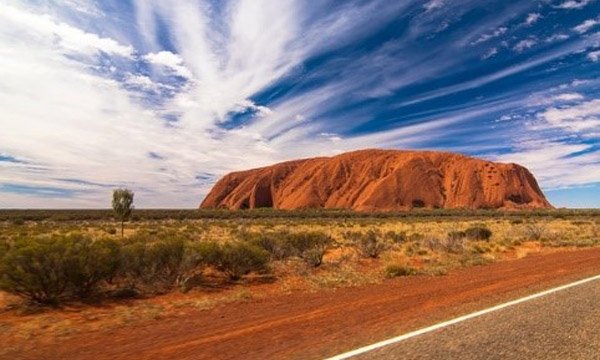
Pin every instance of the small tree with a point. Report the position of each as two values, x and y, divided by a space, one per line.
122 205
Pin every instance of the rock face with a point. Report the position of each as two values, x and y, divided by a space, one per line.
380 180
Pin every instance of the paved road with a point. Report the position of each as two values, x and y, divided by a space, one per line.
564 325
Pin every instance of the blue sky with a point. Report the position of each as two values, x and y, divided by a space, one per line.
164 97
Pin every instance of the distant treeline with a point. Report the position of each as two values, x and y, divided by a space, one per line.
185 214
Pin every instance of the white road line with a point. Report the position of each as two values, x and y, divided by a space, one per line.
444 324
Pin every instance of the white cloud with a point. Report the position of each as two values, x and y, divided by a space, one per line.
143 82
433 4
574 4
568 97
491 52
557 37
545 98
66 37
557 164
85 7
247 104
586 26
594 55
331 136
525 44
169 60
532 18
582 117
494 34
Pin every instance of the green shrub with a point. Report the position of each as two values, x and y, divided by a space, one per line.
239 258
479 249
168 257
456 235
309 246
371 245
197 256
36 269
297 243
478 233
396 237
273 243
89 262
3 249
352 236
416 237
454 245
155 264
535 231
314 257
392 271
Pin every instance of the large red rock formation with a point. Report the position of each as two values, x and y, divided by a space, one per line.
380 180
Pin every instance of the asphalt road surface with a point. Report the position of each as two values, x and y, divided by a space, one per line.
562 325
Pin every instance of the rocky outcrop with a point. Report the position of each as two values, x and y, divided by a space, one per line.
380 180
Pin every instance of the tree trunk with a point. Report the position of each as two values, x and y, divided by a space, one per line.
122 224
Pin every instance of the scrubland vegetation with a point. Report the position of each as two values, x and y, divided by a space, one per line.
207 261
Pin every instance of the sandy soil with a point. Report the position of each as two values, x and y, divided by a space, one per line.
314 325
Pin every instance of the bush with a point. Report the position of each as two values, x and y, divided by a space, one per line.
416 237
197 256
48 270
314 257
167 256
535 231
89 262
270 242
457 235
4 246
392 271
478 233
309 246
396 237
36 269
370 244
451 244
240 258
153 263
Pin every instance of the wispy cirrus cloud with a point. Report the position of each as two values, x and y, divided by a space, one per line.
586 26
491 35
532 18
574 4
594 55
525 44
